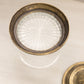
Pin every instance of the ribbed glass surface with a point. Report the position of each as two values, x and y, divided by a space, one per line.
38 31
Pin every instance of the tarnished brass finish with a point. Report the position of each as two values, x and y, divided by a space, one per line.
45 8
74 74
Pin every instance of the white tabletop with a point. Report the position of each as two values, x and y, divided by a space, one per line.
13 71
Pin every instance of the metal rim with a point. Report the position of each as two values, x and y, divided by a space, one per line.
40 6
70 73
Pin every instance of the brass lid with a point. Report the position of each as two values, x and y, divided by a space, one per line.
40 7
74 74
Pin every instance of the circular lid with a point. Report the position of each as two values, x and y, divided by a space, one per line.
39 29
75 74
